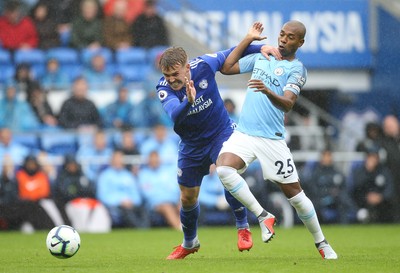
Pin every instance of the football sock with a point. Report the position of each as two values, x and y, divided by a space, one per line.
189 217
239 211
306 212
262 215
238 187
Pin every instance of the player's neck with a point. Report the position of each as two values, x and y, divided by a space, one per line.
289 58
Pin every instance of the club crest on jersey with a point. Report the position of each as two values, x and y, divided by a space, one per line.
162 95
203 84
278 71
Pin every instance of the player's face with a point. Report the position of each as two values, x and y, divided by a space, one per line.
175 76
289 41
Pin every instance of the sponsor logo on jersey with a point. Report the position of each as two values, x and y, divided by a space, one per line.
213 55
162 95
203 84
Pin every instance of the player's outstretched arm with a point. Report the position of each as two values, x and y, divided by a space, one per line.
231 65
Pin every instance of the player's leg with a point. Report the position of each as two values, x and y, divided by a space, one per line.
228 165
306 212
189 214
245 241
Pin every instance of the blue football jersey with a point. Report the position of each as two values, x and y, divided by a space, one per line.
207 116
259 117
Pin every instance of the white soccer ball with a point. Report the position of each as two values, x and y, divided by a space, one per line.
63 242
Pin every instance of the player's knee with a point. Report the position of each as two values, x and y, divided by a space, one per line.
227 176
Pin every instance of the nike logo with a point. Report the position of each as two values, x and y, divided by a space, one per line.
53 245
286 176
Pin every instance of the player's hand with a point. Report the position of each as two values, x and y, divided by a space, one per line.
190 90
267 50
255 32
258 86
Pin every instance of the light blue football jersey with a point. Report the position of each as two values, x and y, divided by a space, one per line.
259 117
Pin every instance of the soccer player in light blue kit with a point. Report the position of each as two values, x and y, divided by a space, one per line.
189 94
272 91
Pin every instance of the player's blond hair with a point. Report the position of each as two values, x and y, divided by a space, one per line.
173 56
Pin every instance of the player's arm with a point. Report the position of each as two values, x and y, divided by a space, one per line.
231 64
284 103
175 109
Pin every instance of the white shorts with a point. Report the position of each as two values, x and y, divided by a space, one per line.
275 158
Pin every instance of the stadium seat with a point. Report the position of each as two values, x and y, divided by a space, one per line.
30 56
64 55
131 56
29 140
133 72
58 143
36 58
7 72
153 52
5 57
88 53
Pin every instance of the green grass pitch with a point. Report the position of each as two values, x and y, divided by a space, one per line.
361 249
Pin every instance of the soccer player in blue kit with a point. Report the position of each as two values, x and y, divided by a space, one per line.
271 92
189 94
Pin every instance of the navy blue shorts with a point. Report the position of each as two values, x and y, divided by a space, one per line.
194 162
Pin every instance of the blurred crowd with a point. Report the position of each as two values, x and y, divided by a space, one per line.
121 156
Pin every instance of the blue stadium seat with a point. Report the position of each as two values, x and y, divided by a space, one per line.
7 72
64 55
29 140
36 58
133 72
88 53
58 143
5 57
132 56
153 52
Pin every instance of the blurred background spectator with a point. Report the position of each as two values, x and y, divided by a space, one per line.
41 107
230 106
54 78
23 79
117 114
71 182
373 137
45 24
79 111
97 74
148 29
16 114
160 140
10 150
133 8
160 194
119 191
212 199
327 188
95 155
116 30
87 27
17 30
373 190
391 144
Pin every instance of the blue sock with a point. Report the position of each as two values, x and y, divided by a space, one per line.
239 210
189 217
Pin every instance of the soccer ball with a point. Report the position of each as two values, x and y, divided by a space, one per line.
63 242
